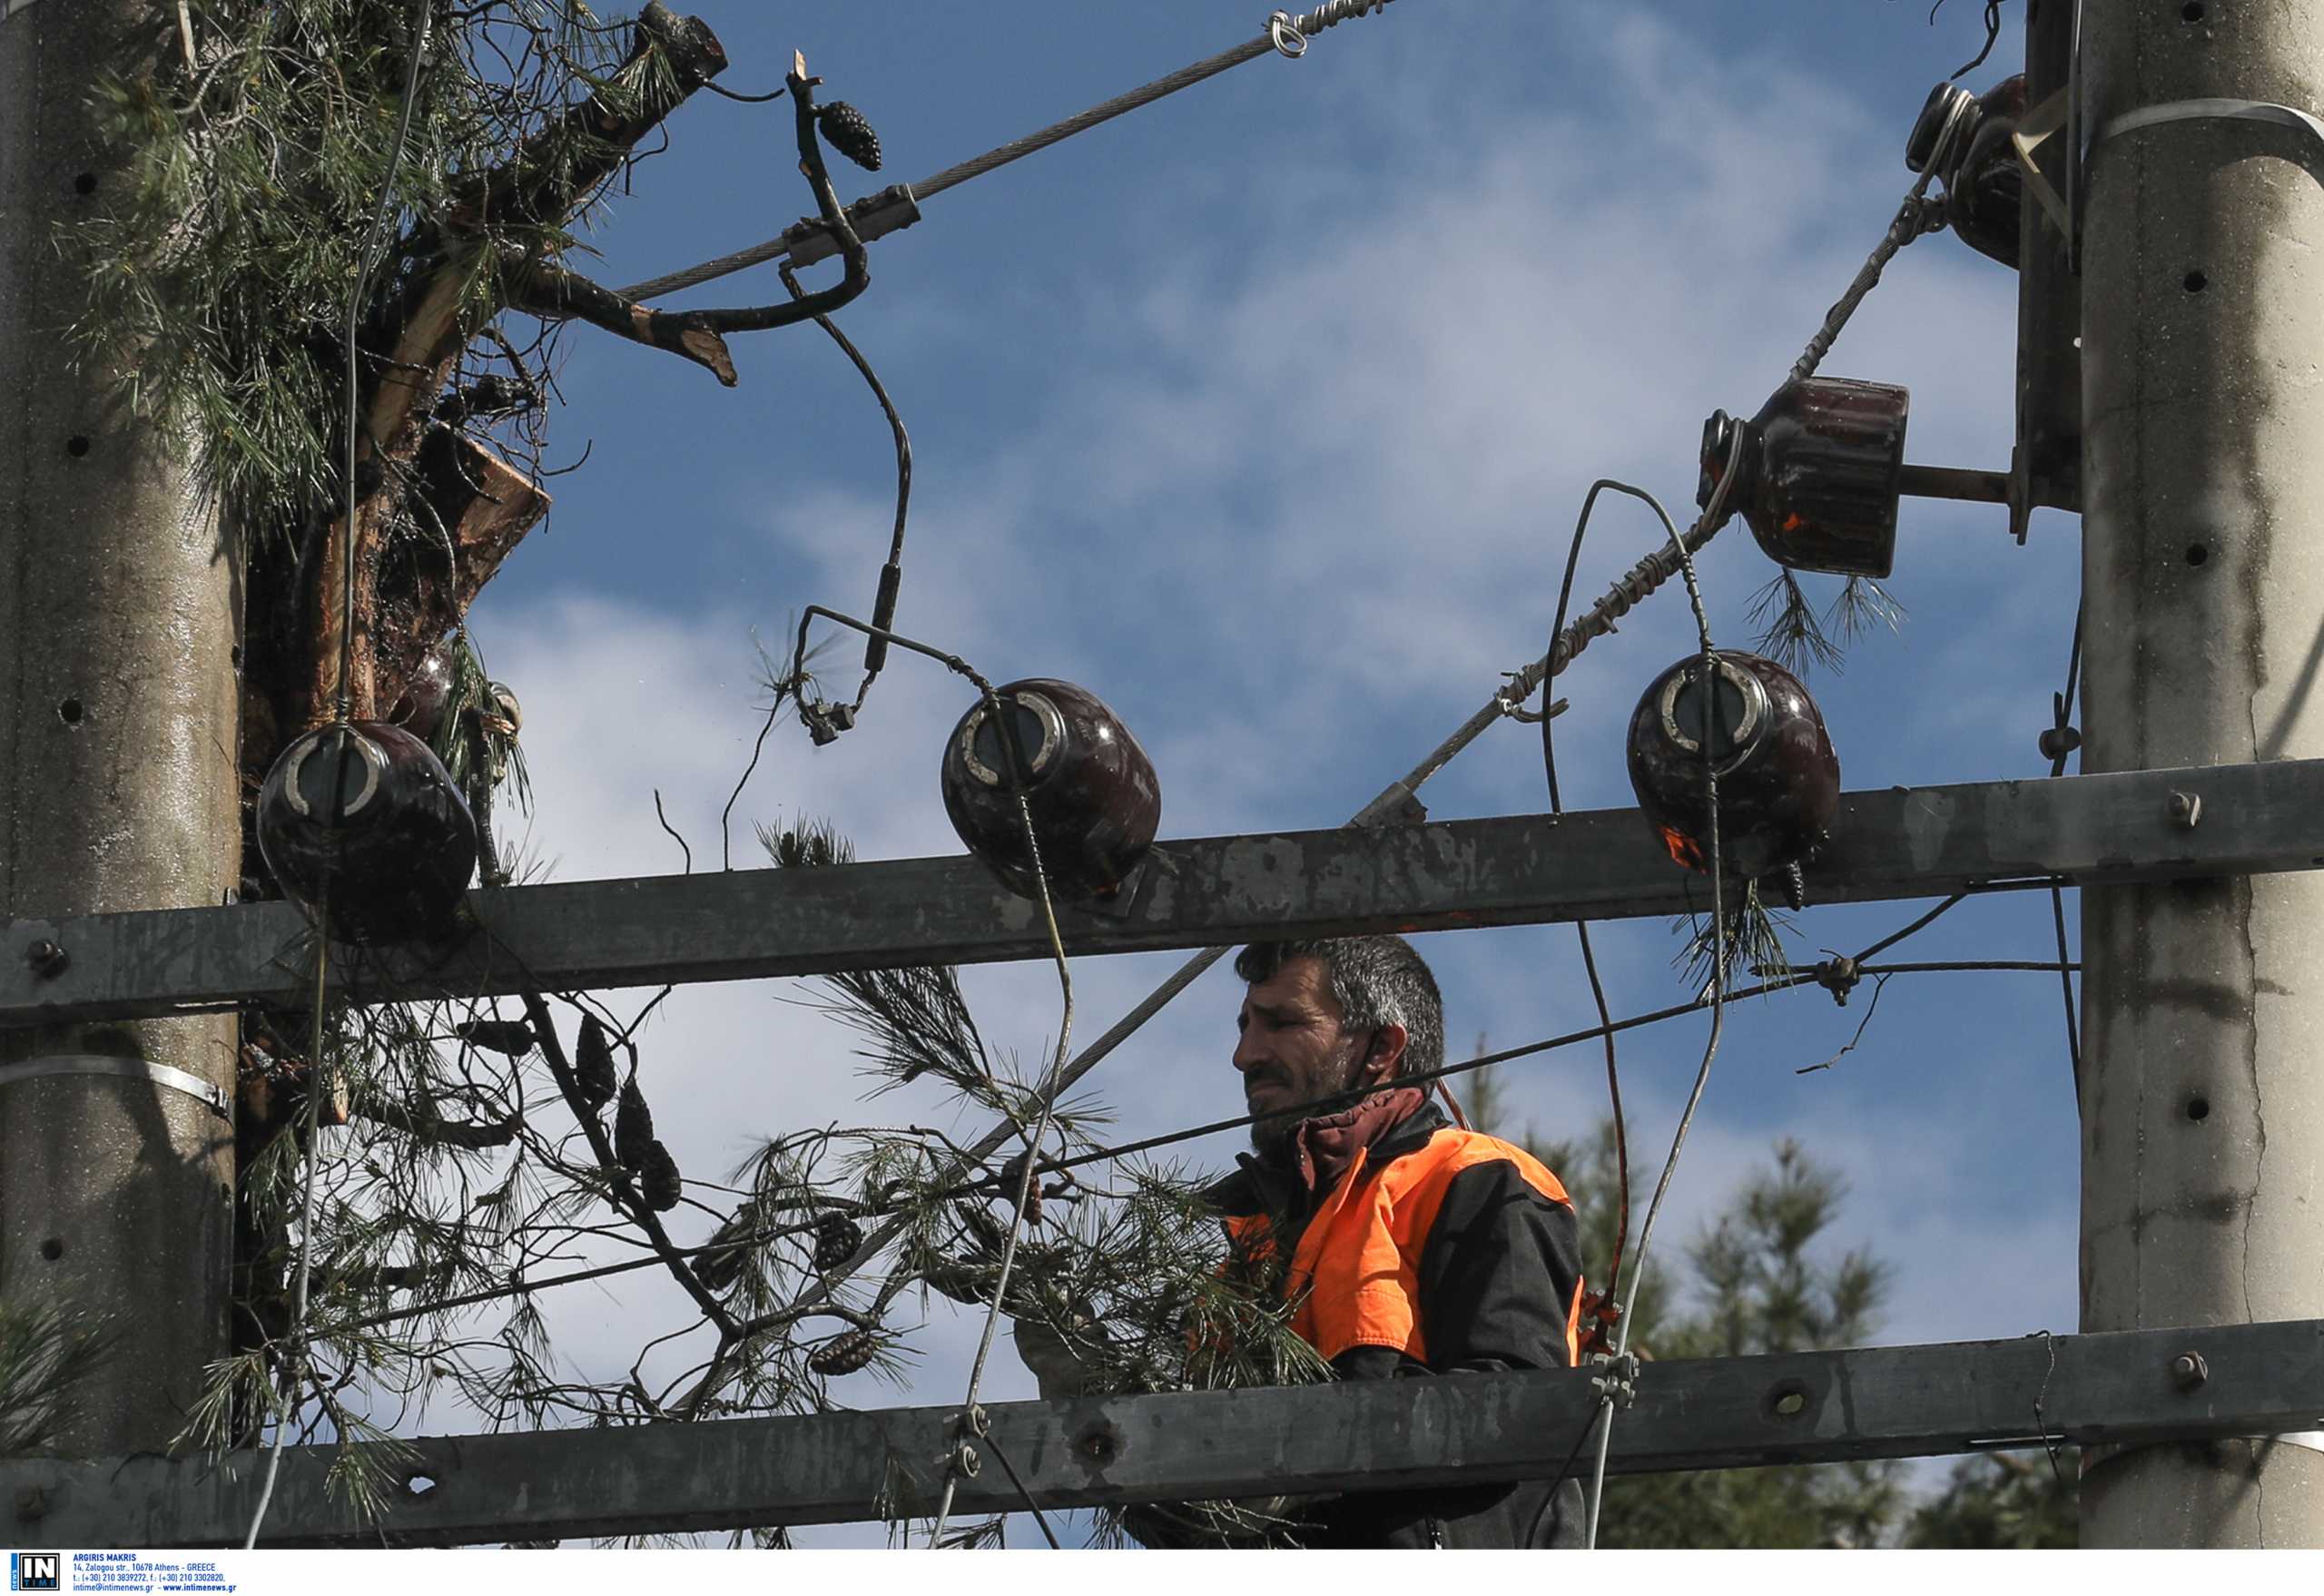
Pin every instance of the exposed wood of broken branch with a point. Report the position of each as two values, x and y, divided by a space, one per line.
542 290
670 58
545 290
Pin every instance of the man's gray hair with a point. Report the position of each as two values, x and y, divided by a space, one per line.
1376 982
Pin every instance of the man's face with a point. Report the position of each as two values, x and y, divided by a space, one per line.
1295 1050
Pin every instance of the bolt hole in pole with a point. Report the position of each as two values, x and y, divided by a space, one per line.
2199 1108
70 712
85 183
2195 282
51 1249
2197 553
2192 11
76 446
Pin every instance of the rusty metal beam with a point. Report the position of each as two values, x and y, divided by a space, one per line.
2124 1388
1894 843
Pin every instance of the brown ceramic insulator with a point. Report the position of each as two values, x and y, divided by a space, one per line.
1092 792
1778 779
426 691
1819 474
1980 198
369 810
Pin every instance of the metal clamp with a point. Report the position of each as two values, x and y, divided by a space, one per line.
2306 146
2307 131
165 1075
1617 1379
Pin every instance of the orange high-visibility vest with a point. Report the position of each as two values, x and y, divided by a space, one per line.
1358 1261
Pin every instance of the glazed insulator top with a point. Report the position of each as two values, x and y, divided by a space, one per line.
378 819
1778 779
1095 801
1820 473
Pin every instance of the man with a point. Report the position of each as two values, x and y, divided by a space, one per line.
1414 1248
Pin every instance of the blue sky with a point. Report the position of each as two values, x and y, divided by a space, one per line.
1264 413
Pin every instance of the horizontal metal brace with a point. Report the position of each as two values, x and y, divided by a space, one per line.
1523 869
212 1094
1376 1435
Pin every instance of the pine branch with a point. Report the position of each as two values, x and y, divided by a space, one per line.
622 1188
427 1126
46 1354
542 290
538 289
670 57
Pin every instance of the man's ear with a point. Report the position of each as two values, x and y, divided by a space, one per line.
1385 1061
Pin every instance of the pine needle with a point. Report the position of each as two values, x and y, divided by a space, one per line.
1790 631
47 1353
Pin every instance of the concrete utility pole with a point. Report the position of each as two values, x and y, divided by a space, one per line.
2202 1090
118 784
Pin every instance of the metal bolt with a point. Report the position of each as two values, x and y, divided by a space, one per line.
2186 810
2189 1369
47 960
965 1461
1100 1443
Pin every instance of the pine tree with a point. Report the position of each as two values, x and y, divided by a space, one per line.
1756 1281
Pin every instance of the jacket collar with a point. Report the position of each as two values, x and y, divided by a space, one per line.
1386 1126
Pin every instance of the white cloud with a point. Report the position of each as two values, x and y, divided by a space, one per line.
1293 523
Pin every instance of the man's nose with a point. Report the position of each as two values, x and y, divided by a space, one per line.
1249 1054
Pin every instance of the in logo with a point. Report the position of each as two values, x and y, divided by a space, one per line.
36 1570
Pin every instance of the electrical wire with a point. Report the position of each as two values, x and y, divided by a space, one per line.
991 1185
1032 1506
892 575
1053 1081
1050 1086
1712 512
1285 35
1914 216
1610 1296
374 245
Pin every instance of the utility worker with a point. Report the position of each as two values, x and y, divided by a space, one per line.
1415 1248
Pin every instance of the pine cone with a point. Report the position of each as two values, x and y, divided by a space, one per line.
633 1128
719 1268
510 1037
658 1181
843 1354
963 1282
846 130
593 1065
837 1237
1013 1172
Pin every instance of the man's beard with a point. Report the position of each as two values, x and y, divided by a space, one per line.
1271 1138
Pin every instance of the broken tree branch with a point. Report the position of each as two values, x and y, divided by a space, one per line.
540 289
670 58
